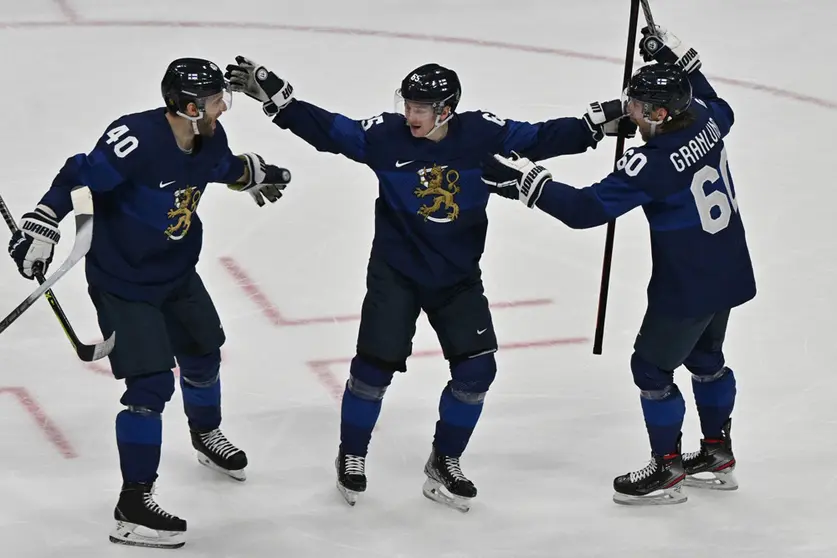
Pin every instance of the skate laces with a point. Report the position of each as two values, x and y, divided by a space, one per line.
217 443
692 455
154 507
354 464
645 472
452 466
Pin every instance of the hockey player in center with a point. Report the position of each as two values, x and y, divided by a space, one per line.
147 174
701 264
430 231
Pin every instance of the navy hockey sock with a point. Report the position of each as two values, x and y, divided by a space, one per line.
715 398
461 403
139 436
456 423
200 384
664 414
139 428
361 405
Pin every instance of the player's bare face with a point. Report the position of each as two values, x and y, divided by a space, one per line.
421 118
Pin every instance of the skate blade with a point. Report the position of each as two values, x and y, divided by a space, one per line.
349 495
238 475
663 497
436 491
717 480
132 534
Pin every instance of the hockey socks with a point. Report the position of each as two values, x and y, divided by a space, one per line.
361 405
663 412
200 383
715 398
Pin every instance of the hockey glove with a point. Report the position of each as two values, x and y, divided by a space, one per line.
33 244
515 177
258 82
265 181
606 119
662 46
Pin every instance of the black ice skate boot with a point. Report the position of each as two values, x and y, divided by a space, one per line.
446 483
351 476
141 522
659 482
712 467
217 453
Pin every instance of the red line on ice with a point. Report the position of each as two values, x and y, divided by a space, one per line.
75 20
274 316
46 424
321 368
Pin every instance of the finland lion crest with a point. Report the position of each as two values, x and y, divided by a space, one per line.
443 187
186 203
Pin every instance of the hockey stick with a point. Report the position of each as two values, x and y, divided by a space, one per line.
83 209
646 11
620 148
87 353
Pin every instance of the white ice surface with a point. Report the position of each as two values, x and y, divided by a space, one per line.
559 423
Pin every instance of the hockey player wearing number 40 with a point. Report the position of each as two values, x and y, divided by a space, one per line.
701 263
147 174
430 230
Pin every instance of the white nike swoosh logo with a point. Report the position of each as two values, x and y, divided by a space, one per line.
167 183
481 331
399 164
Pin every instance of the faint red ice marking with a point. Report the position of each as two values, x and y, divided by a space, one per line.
274 316
46 424
326 376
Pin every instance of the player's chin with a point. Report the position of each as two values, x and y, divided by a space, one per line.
418 131
207 129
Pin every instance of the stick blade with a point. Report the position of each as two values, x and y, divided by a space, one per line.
89 353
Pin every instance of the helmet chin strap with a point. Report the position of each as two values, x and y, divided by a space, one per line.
193 119
653 131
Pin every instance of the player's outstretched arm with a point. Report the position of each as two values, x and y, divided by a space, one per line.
661 45
324 130
567 135
579 208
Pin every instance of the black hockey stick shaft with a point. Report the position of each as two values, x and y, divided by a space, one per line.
598 338
649 17
84 352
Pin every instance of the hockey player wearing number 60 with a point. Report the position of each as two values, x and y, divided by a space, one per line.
147 174
701 263
430 230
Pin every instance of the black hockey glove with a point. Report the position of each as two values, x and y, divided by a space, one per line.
33 244
661 45
607 119
515 177
266 181
258 82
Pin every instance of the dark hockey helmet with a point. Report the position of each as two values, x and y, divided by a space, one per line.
661 86
192 80
432 84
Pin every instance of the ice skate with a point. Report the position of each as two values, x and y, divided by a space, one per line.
217 453
140 521
713 466
446 483
351 476
659 482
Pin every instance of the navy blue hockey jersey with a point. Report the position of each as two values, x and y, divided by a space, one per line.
146 231
430 215
682 180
